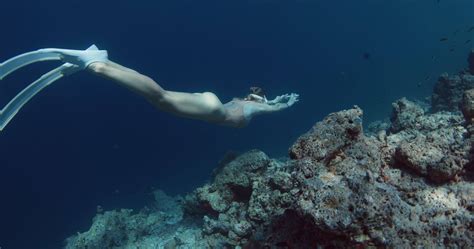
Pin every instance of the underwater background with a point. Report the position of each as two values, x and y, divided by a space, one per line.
84 141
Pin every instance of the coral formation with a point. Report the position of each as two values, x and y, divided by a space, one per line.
448 92
470 60
406 184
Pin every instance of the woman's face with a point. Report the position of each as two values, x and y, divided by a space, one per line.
257 91
255 98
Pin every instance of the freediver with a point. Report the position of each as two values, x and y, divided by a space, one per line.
204 106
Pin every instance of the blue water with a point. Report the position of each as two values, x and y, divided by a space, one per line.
84 141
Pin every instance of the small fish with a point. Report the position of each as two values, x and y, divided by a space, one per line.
427 78
443 39
434 58
419 84
467 41
470 29
366 55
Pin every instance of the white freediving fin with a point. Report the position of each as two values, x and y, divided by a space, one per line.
12 108
81 58
25 59
9 66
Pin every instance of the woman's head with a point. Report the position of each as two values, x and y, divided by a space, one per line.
257 91
256 94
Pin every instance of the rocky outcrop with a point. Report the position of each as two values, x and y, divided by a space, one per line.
340 189
349 190
470 60
467 105
448 91
431 145
331 135
405 115
126 229
343 189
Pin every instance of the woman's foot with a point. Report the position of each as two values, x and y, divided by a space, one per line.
80 58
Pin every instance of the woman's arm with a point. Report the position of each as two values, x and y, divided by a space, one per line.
251 108
238 113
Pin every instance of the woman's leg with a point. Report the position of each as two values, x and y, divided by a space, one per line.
204 106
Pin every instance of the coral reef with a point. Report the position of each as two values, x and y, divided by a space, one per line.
448 92
407 184
470 61
124 229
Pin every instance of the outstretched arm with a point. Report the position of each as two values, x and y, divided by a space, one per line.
282 102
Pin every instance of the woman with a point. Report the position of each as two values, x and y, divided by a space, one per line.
203 106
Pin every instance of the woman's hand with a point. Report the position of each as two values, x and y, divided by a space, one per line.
285 100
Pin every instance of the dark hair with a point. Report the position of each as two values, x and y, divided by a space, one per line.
257 91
